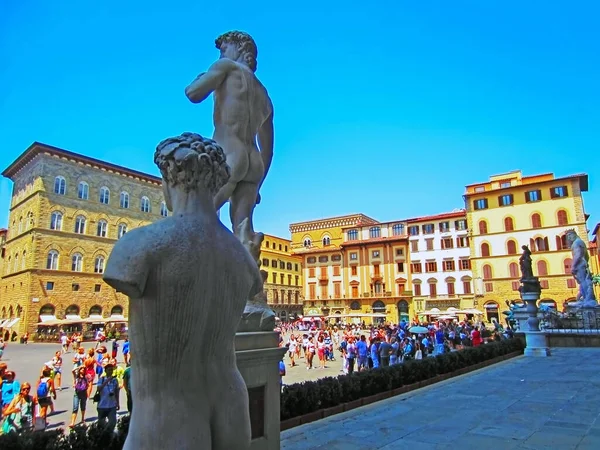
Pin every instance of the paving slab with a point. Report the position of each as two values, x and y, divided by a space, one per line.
528 403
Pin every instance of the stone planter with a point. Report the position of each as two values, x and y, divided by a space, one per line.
311 417
376 398
333 410
289 423
353 404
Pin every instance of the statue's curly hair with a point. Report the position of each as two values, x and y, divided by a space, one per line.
192 160
245 45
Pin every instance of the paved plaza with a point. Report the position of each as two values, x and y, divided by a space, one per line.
523 403
27 361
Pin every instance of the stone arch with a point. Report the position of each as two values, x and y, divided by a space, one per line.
47 310
72 309
80 212
95 310
77 249
117 310
355 305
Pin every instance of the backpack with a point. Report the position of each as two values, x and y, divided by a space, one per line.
42 390
81 385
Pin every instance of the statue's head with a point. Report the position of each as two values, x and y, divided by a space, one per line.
236 44
190 162
571 236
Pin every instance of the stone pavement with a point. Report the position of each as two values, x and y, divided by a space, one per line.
524 403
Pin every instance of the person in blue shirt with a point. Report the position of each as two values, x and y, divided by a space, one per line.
439 341
126 351
375 352
362 349
281 373
10 388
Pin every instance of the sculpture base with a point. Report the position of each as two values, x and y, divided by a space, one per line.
257 316
584 304
536 344
258 355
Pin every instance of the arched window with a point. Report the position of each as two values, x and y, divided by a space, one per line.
511 247
52 260
95 310
509 224
378 307
398 229
16 262
539 244
124 200
562 218
80 224
403 307
24 259
60 186
548 303
104 195
352 235
99 264
485 249
355 306
47 310
56 221
561 242
483 229
326 241
102 227
163 209
542 268
116 311
487 272
513 270
72 310
145 204
536 221
122 229
568 262
307 243
7 266
491 311
374 232
20 230
83 190
77 262
29 222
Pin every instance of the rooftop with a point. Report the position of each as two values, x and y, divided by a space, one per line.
516 179
337 221
38 148
441 216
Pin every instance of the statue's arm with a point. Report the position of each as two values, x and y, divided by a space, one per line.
127 266
266 137
206 83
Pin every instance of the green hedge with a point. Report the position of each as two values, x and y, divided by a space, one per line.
303 398
93 437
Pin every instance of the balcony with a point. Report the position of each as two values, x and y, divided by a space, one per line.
323 279
387 294
376 276
366 295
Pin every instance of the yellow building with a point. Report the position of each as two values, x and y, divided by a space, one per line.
67 211
355 268
511 210
284 277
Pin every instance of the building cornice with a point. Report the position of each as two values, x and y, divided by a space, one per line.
39 148
340 221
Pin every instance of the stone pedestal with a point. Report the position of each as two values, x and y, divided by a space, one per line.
258 356
537 344
536 340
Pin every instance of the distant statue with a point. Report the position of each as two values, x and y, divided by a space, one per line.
188 279
243 117
580 269
526 263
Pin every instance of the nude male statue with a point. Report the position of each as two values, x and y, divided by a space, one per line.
188 279
580 269
243 117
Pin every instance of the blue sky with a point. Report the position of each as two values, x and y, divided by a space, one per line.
388 108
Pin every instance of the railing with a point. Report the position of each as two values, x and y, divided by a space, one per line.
576 321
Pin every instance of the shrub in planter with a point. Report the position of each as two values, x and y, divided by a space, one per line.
330 392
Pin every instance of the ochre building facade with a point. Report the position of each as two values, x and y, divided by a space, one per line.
283 285
511 210
66 212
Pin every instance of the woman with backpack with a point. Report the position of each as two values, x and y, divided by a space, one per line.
44 389
18 415
107 397
80 395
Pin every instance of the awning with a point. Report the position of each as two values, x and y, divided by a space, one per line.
72 318
49 320
11 322
95 318
117 318
3 321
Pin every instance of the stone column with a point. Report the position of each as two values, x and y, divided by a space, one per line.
258 355
536 341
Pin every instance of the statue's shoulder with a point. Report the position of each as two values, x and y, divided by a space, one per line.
224 65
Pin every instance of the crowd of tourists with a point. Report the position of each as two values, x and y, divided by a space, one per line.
95 375
360 347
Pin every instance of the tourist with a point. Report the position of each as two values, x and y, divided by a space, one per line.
90 364
78 360
476 337
80 395
108 397
64 341
44 391
57 370
281 374
10 387
321 351
384 353
127 385
395 351
310 353
362 351
115 348
292 345
126 351
351 354
375 352
18 414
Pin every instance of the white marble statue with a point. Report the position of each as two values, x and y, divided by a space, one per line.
188 279
581 271
243 118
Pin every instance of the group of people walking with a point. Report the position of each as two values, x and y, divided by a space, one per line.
95 376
